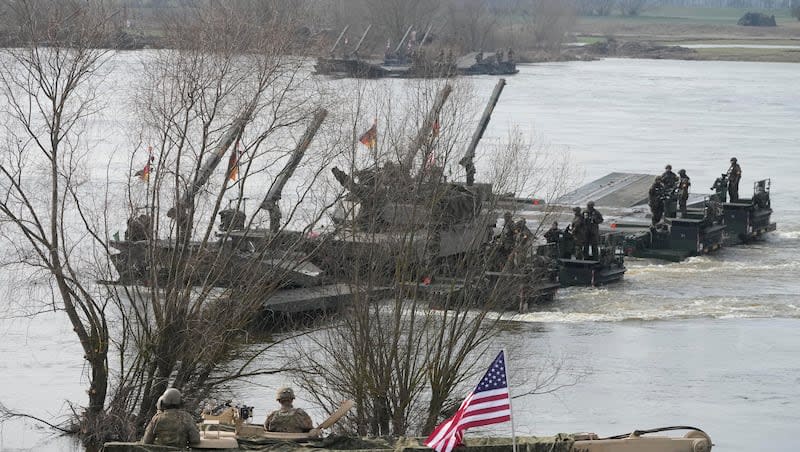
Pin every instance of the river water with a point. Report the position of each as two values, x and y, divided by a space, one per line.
710 342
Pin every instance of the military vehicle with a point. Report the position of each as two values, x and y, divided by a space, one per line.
409 59
747 219
447 226
708 223
241 257
478 63
694 440
350 64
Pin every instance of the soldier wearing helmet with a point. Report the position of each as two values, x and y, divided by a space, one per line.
683 191
578 232
655 197
734 176
669 179
171 426
288 419
592 219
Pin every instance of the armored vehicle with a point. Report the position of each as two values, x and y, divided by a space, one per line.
694 440
409 59
275 262
443 228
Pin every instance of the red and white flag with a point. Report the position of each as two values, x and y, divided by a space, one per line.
488 404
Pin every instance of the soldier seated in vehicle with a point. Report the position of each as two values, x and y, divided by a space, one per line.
171 426
289 419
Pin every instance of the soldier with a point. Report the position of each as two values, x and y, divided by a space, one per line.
578 231
592 219
171 426
656 201
669 179
288 419
553 237
683 191
734 176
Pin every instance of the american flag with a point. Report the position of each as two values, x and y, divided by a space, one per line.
488 404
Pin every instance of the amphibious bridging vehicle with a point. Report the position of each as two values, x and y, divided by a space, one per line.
709 221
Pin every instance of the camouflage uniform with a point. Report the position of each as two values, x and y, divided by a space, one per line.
683 191
669 179
734 176
172 427
592 219
578 231
655 195
293 420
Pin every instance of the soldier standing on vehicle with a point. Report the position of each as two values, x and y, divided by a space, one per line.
683 191
171 426
553 237
669 179
593 220
734 176
578 231
656 201
288 419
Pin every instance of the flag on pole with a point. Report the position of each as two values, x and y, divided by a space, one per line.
233 163
144 173
370 137
488 404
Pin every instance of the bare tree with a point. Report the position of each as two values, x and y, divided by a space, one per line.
594 7
227 87
49 86
631 7
400 353
470 24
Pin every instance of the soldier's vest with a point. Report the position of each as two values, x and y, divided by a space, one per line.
294 420
171 428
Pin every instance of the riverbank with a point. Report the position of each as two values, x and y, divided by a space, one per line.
684 33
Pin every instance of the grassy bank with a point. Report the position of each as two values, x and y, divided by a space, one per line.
687 26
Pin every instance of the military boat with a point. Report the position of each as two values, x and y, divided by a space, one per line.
709 222
409 59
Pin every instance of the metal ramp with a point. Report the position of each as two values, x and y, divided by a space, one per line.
620 190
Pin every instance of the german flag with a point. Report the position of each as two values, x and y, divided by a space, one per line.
233 163
370 137
144 173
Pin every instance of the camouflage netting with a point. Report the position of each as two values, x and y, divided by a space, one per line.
559 443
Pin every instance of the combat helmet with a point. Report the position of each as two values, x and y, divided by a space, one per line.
733 160
284 393
576 209
668 167
590 204
170 399
682 172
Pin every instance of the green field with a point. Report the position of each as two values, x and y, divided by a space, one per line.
692 16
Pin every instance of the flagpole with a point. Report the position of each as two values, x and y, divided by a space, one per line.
510 406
